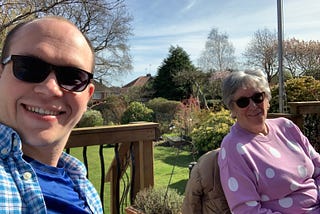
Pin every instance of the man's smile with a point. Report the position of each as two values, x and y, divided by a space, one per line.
42 111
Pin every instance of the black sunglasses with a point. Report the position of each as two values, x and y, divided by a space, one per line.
34 70
257 98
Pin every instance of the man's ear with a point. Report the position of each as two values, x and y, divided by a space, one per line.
91 90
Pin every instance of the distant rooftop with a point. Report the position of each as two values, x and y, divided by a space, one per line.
140 81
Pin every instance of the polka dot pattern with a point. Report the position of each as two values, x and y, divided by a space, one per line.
223 153
302 170
241 149
270 173
312 152
257 175
286 202
265 198
261 165
294 186
293 146
252 203
289 124
233 184
275 153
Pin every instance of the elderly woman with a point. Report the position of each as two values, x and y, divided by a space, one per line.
266 165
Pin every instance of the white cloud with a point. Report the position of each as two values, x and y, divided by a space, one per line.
161 23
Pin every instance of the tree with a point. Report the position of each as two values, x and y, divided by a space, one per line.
105 22
302 57
261 52
218 54
197 81
165 83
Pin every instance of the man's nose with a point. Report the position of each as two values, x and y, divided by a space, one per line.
49 86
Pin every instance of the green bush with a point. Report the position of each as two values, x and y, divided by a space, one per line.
297 89
164 111
111 109
157 200
137 112
91 118
215 105
211 129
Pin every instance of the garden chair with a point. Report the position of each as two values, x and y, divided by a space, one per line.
203 193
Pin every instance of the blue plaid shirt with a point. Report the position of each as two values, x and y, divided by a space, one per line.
19 188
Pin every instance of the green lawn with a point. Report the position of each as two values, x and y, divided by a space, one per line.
167 161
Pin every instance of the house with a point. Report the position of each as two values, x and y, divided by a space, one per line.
102 92
139 82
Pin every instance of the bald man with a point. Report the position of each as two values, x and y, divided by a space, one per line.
45 84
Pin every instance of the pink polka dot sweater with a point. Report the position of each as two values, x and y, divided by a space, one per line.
276 173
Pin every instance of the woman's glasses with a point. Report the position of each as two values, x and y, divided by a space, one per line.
34 70
257 98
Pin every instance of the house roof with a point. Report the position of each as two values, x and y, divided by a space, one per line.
99 86
140 81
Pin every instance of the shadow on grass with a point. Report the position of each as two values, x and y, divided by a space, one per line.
180 160
174 156
179 186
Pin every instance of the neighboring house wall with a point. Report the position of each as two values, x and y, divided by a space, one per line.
102 92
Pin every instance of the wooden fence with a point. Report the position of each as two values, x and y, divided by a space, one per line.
132 142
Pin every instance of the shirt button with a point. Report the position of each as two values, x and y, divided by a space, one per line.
15 142
27 175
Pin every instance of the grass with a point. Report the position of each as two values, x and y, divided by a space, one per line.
170 168
171 165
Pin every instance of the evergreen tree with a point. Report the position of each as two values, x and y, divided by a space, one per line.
165 83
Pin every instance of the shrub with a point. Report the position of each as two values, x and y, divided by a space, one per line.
111 108
184 118
164 111
157 200
137 112
215 105
91 118
211 129
298 89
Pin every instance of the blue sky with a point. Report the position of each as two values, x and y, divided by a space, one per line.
158 24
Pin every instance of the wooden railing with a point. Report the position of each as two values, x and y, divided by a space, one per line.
307 116
134 141
308 119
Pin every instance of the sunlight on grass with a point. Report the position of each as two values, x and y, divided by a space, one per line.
167 161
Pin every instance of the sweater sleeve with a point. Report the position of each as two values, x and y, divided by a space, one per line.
316 161
310 151
239 184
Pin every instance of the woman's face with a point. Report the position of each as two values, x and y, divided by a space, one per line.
251 110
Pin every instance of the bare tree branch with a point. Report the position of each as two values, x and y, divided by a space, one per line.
106 23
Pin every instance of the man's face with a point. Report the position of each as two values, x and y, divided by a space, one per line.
44 113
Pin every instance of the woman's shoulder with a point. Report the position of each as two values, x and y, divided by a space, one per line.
281 122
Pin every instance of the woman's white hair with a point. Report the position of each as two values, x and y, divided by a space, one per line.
244 79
